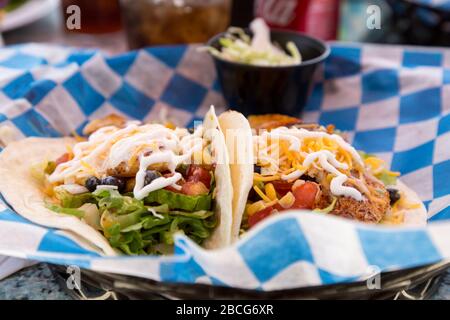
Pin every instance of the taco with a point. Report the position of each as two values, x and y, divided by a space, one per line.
308 166
127 187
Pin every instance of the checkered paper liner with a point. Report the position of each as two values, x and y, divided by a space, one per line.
392 101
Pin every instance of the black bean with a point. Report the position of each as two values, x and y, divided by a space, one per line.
91 183
257 168
253 196
114 181
151 175
394 196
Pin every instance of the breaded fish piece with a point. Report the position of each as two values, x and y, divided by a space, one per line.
271 121
370 210
110 120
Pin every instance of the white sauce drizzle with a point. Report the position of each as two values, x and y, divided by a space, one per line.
293 175
105 187
324 159
153 212
110 147
338 189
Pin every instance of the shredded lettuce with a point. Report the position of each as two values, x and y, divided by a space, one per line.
69 200
180 201
387 178
384 175
129 224
70 211
237 46
91 215
201 214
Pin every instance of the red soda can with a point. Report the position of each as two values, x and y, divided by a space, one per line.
318 18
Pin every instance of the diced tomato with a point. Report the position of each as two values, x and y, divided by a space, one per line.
196 173
64 158
282 187
305 195
260 215
194 188
279 208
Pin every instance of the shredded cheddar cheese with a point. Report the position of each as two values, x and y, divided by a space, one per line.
258 177
69 151
287 201
77 137
288 153
270 192
402 203
261 194
255 207
393 173
88 167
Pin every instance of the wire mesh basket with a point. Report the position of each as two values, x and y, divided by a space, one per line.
411 284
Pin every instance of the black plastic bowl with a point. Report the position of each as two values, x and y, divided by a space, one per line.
271 89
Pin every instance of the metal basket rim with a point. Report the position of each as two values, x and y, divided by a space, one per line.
393 282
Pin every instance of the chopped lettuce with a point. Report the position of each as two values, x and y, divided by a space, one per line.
69 200
114 202
201 214
91 215
179 201
70 211
133 227
384 175
386 178
50 168
237 46
364 155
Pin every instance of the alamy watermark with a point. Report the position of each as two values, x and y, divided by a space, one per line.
373 17
73 21
74 279
373 277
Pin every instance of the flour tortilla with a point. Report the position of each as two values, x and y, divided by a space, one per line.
413 217
24 193
242 175
239 143
221 236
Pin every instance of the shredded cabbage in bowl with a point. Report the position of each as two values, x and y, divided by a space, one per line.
237 46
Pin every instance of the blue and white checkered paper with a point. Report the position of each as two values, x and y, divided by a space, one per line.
393 101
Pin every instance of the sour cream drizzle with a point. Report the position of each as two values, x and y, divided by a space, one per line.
111 147
324 159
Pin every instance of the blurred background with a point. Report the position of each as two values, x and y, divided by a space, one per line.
119 25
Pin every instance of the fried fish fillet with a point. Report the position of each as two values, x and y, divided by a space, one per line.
110 120
271 121
372 209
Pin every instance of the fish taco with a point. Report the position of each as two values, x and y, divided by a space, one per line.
127 187
312 167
